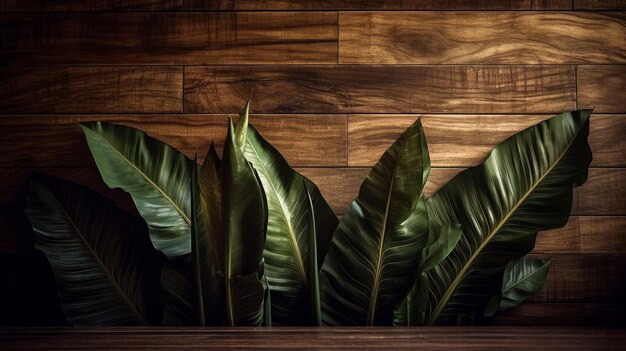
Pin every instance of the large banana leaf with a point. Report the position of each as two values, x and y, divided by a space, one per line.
228 248
524 186
374 252
288 246
105 268
155 174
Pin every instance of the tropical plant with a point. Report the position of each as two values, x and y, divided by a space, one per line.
246 240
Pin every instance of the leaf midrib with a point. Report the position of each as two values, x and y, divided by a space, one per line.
450 291
292 236
103 267
154 185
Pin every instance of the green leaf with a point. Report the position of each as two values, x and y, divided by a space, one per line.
155 174
412 310
287 248
229 256
371 263
524 186
176 292
104 265
522 278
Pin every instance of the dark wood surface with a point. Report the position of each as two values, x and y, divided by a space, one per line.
505 38
190 38
486 338
381 89
334 83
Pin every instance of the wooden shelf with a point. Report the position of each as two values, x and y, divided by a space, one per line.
435 338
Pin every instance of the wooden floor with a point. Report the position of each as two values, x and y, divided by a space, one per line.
492 338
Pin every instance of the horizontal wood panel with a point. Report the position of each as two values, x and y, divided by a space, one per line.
562 314
57 141
379 5
603 234
584 278
466 140
169 38
381 89
603 193
92 5
546 314
600 4
363 338
602 88
481 37
91 89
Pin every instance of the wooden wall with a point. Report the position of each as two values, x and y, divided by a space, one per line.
335 82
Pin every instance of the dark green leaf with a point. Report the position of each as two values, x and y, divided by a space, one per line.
375 251
412 310
524 186
287 247
155 174
522 278
229 258
104 265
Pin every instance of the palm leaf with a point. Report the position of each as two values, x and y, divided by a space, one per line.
287 247
155 174
524 186
374 252
103 263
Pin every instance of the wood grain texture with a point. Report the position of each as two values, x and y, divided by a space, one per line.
434 338
583 278
57 140
88 6
466 140
603 234
602 88
546 314
481 38
379 5
600 4
381 89
603 193
91 89
169 38
563 240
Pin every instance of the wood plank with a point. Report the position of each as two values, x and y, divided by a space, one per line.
376 5
91 89
605 314
563 240
380 89
174 38
551 5
466 140
348 338
602 88
583 278
464 38
603 234
604 193
600 4
545 314
57 141
88 6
